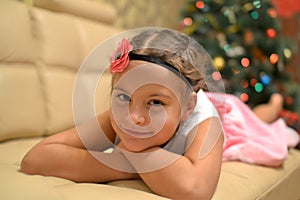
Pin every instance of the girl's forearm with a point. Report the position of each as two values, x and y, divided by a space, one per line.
180 180
176 177
71 163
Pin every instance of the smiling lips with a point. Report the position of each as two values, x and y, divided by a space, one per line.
137 134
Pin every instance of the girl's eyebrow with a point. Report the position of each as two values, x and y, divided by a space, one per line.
156 94
161 95
116 88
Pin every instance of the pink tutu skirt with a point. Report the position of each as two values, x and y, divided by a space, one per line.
249 139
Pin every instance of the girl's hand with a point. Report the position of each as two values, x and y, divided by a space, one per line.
122 146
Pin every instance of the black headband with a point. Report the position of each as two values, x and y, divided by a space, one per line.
155 60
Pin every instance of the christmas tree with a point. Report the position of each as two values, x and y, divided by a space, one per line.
244 40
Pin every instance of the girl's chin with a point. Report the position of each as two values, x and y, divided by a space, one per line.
135 145
135 148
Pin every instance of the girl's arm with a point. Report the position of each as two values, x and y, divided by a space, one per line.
64 155
189 177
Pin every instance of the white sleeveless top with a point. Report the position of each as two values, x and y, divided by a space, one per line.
204 109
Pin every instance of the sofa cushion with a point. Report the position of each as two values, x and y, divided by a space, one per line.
22 104
245 181
85 8
238 181
57 37
17 43
39 59
16 185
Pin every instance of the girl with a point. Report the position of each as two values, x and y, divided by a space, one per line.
161 125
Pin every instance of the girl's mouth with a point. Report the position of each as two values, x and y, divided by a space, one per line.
137 134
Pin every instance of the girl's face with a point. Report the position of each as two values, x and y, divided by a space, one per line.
146 116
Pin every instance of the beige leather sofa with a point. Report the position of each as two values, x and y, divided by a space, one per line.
41 48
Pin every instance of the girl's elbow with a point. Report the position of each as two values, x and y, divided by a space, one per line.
29 165
194 191
26 167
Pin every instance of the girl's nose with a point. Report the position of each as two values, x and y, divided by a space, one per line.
138 115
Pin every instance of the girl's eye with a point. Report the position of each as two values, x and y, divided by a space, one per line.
156 103
124 97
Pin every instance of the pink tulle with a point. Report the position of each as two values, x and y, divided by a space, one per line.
249 139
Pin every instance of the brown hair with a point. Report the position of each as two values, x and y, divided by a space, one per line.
177 49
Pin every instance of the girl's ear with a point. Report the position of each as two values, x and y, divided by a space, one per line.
189 107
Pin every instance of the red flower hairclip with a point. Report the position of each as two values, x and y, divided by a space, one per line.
120 59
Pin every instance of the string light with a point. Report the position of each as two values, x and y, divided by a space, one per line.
258 87
245 84
216 76
271 33
257 4
219 62
272 13
245 62
254 15
253 82
200 4
265 79
274 58
287 53
244 97
187 21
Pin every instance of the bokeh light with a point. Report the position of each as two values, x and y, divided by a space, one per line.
258 87
245 62
200 4
271 33
272 13
187 21
216 76
254 15
289 100
274 58
257 3
244 97
265 79
245 84
253 82
219 62
287 53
